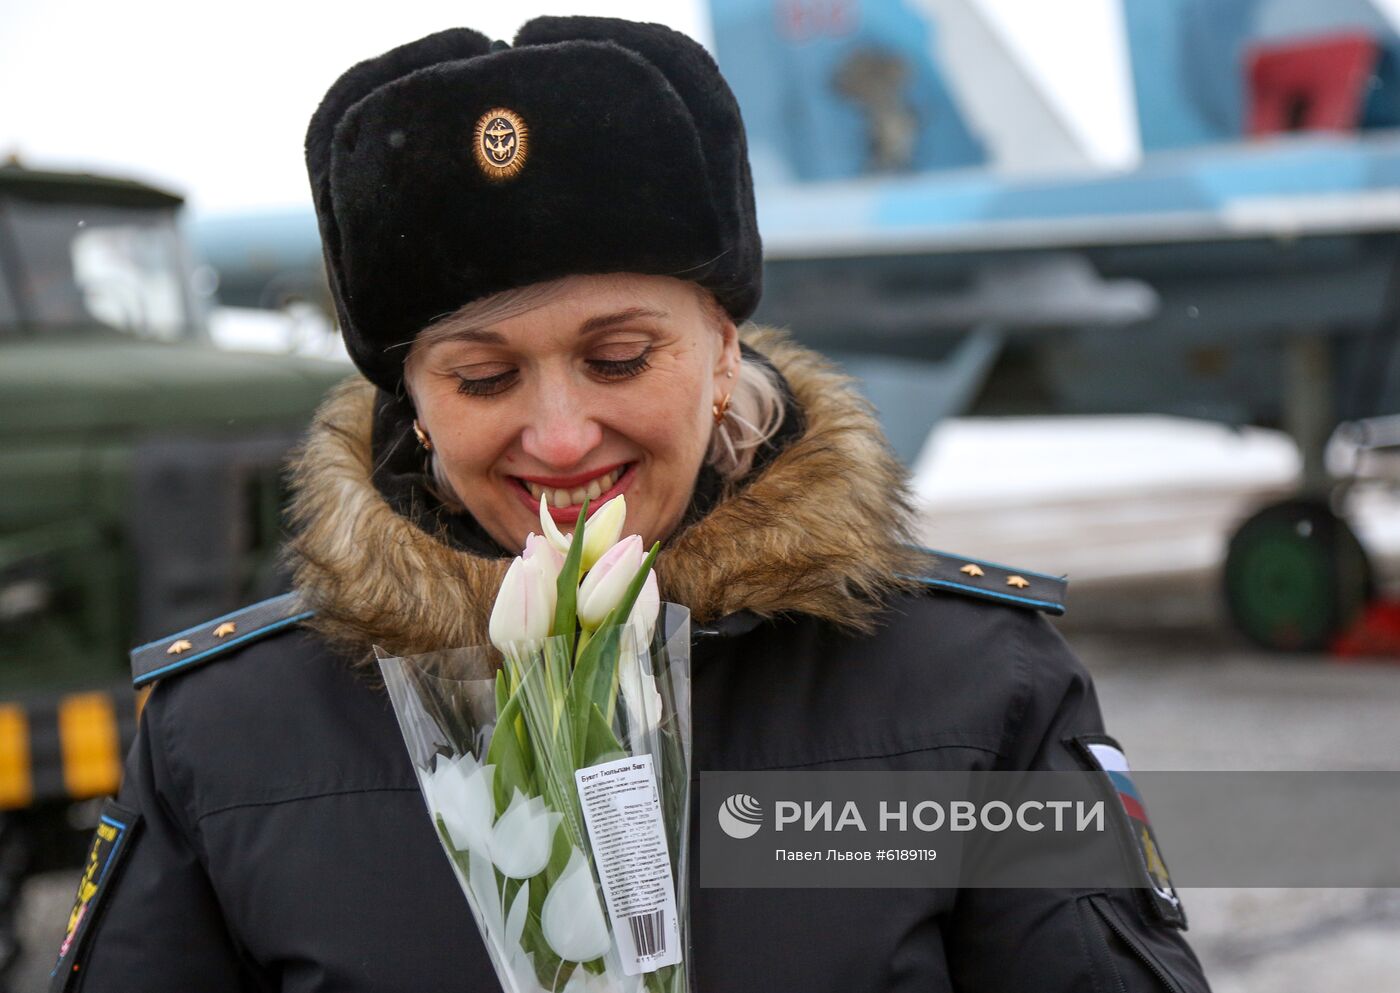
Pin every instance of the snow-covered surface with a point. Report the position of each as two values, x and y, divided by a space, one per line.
1113 497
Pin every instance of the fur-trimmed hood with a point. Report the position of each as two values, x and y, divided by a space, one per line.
822 529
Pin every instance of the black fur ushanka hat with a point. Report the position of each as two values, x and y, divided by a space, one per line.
452 168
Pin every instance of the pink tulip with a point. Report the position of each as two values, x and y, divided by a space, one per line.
539 550
607 581
524 607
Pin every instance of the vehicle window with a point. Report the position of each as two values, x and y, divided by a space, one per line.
84 266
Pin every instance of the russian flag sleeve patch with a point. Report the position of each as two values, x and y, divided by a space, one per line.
1100 753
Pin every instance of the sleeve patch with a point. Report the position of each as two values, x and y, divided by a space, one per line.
111 842
1099 752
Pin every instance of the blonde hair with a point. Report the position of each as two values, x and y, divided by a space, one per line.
755 404
755 407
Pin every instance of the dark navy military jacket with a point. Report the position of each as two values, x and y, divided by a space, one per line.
270 834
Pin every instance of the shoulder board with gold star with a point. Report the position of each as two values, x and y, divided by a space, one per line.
192 647
991 581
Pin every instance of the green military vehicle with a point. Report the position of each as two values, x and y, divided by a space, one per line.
140 485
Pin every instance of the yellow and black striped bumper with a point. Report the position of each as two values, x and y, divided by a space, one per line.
68 746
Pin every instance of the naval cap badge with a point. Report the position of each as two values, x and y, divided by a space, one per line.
500 143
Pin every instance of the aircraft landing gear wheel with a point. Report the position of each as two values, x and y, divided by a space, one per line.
1295 576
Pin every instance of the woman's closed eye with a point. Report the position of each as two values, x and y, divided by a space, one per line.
614 369
485 386
622 368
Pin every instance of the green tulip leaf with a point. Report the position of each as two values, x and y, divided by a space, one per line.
566 604
509 754
502 690
593 672
600 744
581 689
660 981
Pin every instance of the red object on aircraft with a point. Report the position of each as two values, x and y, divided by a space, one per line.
1314 85
1375 635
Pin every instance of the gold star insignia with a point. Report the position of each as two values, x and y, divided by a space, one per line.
183 645
225 629
972 569
1020 582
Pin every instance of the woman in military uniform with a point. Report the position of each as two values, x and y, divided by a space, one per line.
540 254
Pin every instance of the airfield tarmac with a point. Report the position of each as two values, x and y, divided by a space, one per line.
1137 512
1137 515
1197 698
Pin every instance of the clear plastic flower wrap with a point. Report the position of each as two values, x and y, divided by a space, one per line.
557 774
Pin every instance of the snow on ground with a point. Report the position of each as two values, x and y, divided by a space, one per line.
1105 498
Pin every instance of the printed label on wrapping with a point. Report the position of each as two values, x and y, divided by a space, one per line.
622 809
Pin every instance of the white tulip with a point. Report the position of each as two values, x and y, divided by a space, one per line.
481 880
604 528
521 839
645 610
639 692
551 530
583 981
611 980
539 551
503 931
515 921
607 581
640 696
459 791
520 963
579 982
619 981
521 966
524 609
571 919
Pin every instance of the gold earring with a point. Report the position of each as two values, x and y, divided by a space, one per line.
729 374
721 409
422 435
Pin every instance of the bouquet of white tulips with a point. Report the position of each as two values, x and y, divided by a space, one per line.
556 765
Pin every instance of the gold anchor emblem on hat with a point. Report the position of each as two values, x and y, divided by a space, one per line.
183 645
500 143
972 569
225 629
1020 582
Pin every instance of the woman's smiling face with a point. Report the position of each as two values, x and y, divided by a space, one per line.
605 387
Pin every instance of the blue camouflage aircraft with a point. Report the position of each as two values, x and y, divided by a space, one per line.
930 218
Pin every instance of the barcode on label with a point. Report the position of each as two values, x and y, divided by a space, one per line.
622 808
648 934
